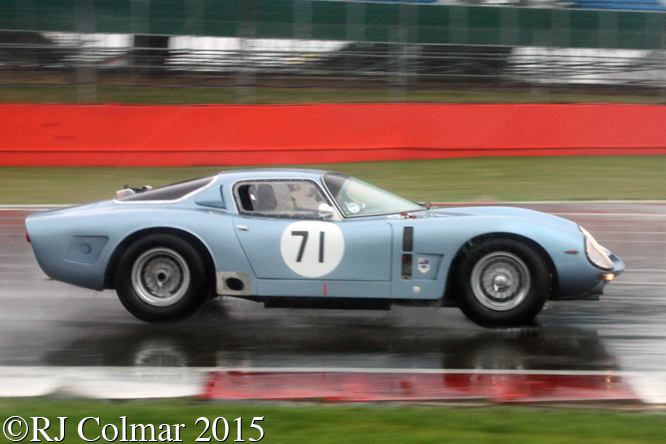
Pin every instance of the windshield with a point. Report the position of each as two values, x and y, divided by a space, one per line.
356 198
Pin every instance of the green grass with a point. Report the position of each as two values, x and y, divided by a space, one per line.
178 95
450 180
317 423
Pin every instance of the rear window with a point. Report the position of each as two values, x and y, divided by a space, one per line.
170 192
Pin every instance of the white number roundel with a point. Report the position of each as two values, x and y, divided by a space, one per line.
312 248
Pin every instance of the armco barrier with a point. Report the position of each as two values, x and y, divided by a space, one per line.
120 135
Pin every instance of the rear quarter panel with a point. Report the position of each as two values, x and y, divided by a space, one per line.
58 238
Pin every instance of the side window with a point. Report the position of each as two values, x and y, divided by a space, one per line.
281 198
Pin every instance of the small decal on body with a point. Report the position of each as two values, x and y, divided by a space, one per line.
424 265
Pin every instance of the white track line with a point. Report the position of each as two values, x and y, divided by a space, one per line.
145 372
611 214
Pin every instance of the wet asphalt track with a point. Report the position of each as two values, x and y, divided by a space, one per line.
46 323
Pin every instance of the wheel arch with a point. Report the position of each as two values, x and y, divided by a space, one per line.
452 286
193 240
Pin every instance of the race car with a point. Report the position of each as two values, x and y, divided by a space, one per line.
316 239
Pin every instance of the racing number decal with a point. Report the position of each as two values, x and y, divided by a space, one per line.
305 235
312 248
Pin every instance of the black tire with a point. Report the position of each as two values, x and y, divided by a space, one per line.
161 278
503 282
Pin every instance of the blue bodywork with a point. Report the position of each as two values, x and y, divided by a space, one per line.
81 245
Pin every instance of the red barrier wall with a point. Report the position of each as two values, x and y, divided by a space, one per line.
119 135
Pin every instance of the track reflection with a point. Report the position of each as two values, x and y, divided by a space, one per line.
338 346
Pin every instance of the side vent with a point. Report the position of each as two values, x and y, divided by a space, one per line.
408 239
407 266
231 283
407 247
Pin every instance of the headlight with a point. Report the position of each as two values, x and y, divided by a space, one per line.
595 252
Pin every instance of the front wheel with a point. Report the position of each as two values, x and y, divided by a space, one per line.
161 278
503 283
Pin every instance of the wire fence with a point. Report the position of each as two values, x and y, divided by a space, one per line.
411 54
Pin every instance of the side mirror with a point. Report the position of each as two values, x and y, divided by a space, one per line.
326 211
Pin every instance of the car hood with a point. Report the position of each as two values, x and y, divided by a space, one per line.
506 212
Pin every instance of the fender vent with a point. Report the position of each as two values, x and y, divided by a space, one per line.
231 283
408 239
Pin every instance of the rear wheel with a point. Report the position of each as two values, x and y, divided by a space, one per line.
161 278
503 283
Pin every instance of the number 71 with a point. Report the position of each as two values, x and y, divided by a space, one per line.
304 241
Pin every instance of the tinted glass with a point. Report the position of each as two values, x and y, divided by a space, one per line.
283 198
170 192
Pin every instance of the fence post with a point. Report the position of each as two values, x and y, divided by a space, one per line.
661 57
245 72
86 75
355 37
139 25
399 63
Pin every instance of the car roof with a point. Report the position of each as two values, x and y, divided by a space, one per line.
272 173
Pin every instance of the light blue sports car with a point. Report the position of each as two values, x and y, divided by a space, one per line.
316 239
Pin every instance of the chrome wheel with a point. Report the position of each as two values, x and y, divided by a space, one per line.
500 281
160 277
